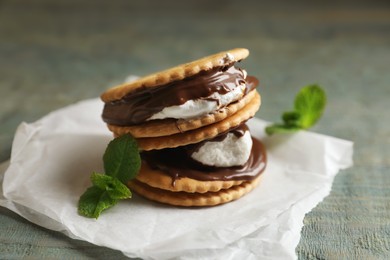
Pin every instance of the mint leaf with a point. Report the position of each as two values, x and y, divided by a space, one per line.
94 201
114 188
310 103
309 106
291 118
122 159
121 163
280 129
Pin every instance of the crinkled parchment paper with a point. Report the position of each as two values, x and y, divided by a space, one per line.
52 160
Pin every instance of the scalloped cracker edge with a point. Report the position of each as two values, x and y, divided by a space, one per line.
193 199
159 179
165 127
176 73
202 133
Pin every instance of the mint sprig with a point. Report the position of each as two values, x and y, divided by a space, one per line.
121 159
309 105
121 163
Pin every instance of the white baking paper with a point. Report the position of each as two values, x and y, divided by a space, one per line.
52 160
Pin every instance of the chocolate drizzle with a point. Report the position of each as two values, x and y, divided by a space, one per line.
176 163
139 105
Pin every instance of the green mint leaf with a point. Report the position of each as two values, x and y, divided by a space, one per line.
122 162
310 103
114 188
280 129
94 201
122 159
291 118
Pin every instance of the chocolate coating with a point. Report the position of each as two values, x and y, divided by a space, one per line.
139 105
176 163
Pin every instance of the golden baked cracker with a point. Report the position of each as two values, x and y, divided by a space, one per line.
202 133
193 199
164 127
177 73
158 179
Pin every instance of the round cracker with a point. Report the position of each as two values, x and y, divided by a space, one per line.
164 127
159 179
176 73
202 133
193 199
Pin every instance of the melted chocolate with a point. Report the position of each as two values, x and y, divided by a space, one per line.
251 83
139 105
176 163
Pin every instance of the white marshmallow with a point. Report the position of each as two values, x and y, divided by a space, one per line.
199 107
232 151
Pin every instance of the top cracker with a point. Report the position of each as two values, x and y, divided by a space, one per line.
179 72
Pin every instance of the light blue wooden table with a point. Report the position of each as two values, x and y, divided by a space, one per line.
54 53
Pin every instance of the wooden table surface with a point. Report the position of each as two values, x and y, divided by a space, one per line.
54 53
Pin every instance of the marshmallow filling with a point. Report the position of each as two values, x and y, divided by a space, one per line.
235 158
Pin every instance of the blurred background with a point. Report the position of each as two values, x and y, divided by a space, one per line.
55 53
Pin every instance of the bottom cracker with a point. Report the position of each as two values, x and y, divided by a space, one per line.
158 179
193 199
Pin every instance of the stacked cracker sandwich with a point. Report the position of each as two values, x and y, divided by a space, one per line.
189 122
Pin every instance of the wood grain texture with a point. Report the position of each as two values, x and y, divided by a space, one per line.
54 53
